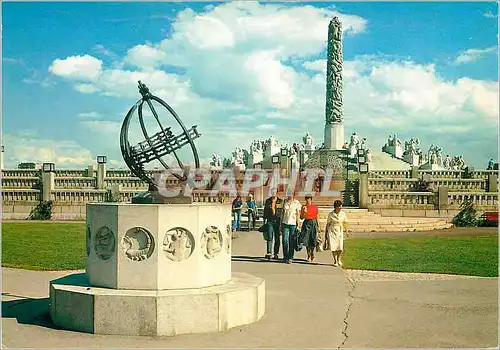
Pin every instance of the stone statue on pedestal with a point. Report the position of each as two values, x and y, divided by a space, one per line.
393 146
353 145
216 162
237 159
308 142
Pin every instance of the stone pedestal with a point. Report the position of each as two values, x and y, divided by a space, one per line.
334 136
492 183
363 191
413 159
396 151
101 175
157 269
48 185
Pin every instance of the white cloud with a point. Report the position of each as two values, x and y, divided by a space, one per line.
266 127
489 14
472 55
145 56
89 115
21 147
238 85
86 88
83 68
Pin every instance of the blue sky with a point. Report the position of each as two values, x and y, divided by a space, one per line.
247 71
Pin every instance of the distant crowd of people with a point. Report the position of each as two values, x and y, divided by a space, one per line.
294 226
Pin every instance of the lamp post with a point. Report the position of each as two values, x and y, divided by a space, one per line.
258 166
276 161
363 168
101 159
48 180
48 167
284 159
101 171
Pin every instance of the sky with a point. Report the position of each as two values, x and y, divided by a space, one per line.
244 71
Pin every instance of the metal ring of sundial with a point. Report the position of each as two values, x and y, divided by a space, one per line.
158 145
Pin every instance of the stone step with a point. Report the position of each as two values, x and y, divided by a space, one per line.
404 229
396 228
390 220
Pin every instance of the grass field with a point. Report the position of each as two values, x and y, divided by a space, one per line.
61 246
461 255
43 246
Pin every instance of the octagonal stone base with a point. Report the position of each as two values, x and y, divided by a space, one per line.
75 305
158 246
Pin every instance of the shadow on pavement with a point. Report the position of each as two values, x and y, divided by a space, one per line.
246 258
28 310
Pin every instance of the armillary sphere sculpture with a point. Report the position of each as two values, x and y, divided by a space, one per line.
156 146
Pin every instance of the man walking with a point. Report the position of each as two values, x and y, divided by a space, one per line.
273 208
252 211
291 219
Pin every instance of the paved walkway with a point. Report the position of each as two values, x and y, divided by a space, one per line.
307 306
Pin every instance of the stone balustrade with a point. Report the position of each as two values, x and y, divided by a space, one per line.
66 182
78 195
401 184
398 199
442 174
405 174
20 195
433 174
428 200
20 173
19 182
119 173
479 199
483 174
69 173
126 182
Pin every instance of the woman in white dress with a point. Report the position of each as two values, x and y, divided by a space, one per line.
334 234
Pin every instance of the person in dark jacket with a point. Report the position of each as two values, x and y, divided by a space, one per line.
237 207
273 208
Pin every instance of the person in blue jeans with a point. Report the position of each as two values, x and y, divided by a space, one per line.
273 208
290 221
252 212
237 207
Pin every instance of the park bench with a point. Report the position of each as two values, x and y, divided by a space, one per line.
489 218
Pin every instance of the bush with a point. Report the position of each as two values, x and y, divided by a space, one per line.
421 186
43 211
112 196
467 216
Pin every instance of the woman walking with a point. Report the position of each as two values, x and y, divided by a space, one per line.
309 213
334 233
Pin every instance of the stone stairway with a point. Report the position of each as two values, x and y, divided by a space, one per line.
362 220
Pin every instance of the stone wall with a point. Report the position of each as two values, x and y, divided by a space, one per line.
394 193
388 192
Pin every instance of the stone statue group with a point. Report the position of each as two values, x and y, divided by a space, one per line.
355 144
258 150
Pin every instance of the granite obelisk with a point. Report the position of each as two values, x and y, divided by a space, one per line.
334 120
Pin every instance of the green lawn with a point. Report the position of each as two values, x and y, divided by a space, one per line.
61 246
461 255
43 246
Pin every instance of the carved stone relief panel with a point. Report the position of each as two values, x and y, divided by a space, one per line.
104 243
178 244
211 242
138 244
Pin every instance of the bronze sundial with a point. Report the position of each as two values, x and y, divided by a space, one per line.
155 147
